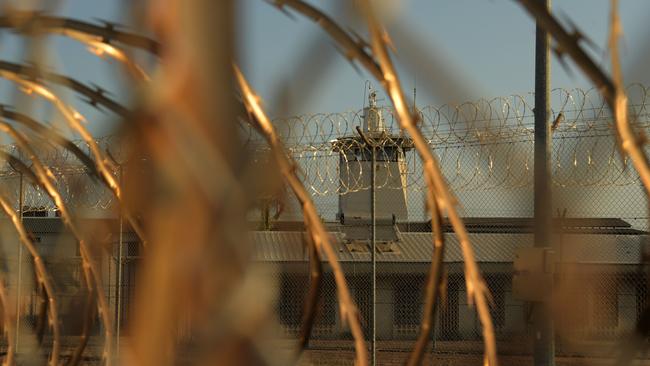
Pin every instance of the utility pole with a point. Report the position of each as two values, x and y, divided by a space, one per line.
20 263
543 333
120 260
373 232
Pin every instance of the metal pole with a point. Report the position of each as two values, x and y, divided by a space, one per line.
373 255
20 261
118 310
372 144
544 338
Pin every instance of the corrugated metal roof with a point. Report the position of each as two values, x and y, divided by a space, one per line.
611 249
54 225
503 225
500 225
287 246
487 247
279 246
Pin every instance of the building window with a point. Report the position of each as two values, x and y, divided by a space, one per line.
641 298
407 300
387 153
497 285
605 306
290 301
132 249
326 315
129 284
448 311
363 296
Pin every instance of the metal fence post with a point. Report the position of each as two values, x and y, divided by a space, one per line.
544 337
373 256
20 261
120 249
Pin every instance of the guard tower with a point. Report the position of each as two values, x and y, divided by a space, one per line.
390 170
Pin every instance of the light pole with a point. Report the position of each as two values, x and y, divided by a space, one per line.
543 334
118 306
20 262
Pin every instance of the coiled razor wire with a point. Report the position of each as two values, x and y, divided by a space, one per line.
483 145
73 180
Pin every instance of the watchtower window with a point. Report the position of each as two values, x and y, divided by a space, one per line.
390 153
407 300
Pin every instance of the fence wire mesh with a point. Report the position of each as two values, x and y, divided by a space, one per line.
596 318
485 150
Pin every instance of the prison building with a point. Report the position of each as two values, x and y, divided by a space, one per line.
598 285
60 252
597 275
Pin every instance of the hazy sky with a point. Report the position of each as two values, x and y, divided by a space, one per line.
489 44
485 46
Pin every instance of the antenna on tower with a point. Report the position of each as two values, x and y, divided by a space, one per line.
415 88
415 93
367 86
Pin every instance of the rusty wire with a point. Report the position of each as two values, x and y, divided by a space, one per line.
319 235
466 143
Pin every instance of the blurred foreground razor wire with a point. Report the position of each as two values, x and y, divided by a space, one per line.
76 121
382 69
319 236
44 279
92 274
99 38
200 301
613 91
476 289
612 88
188 174
31 22
8 322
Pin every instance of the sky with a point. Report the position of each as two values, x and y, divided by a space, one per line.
463 50
488 44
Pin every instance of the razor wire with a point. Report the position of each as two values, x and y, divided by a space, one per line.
482 145
72 179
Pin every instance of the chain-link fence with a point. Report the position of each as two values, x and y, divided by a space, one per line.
485 151
596 305
61 255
